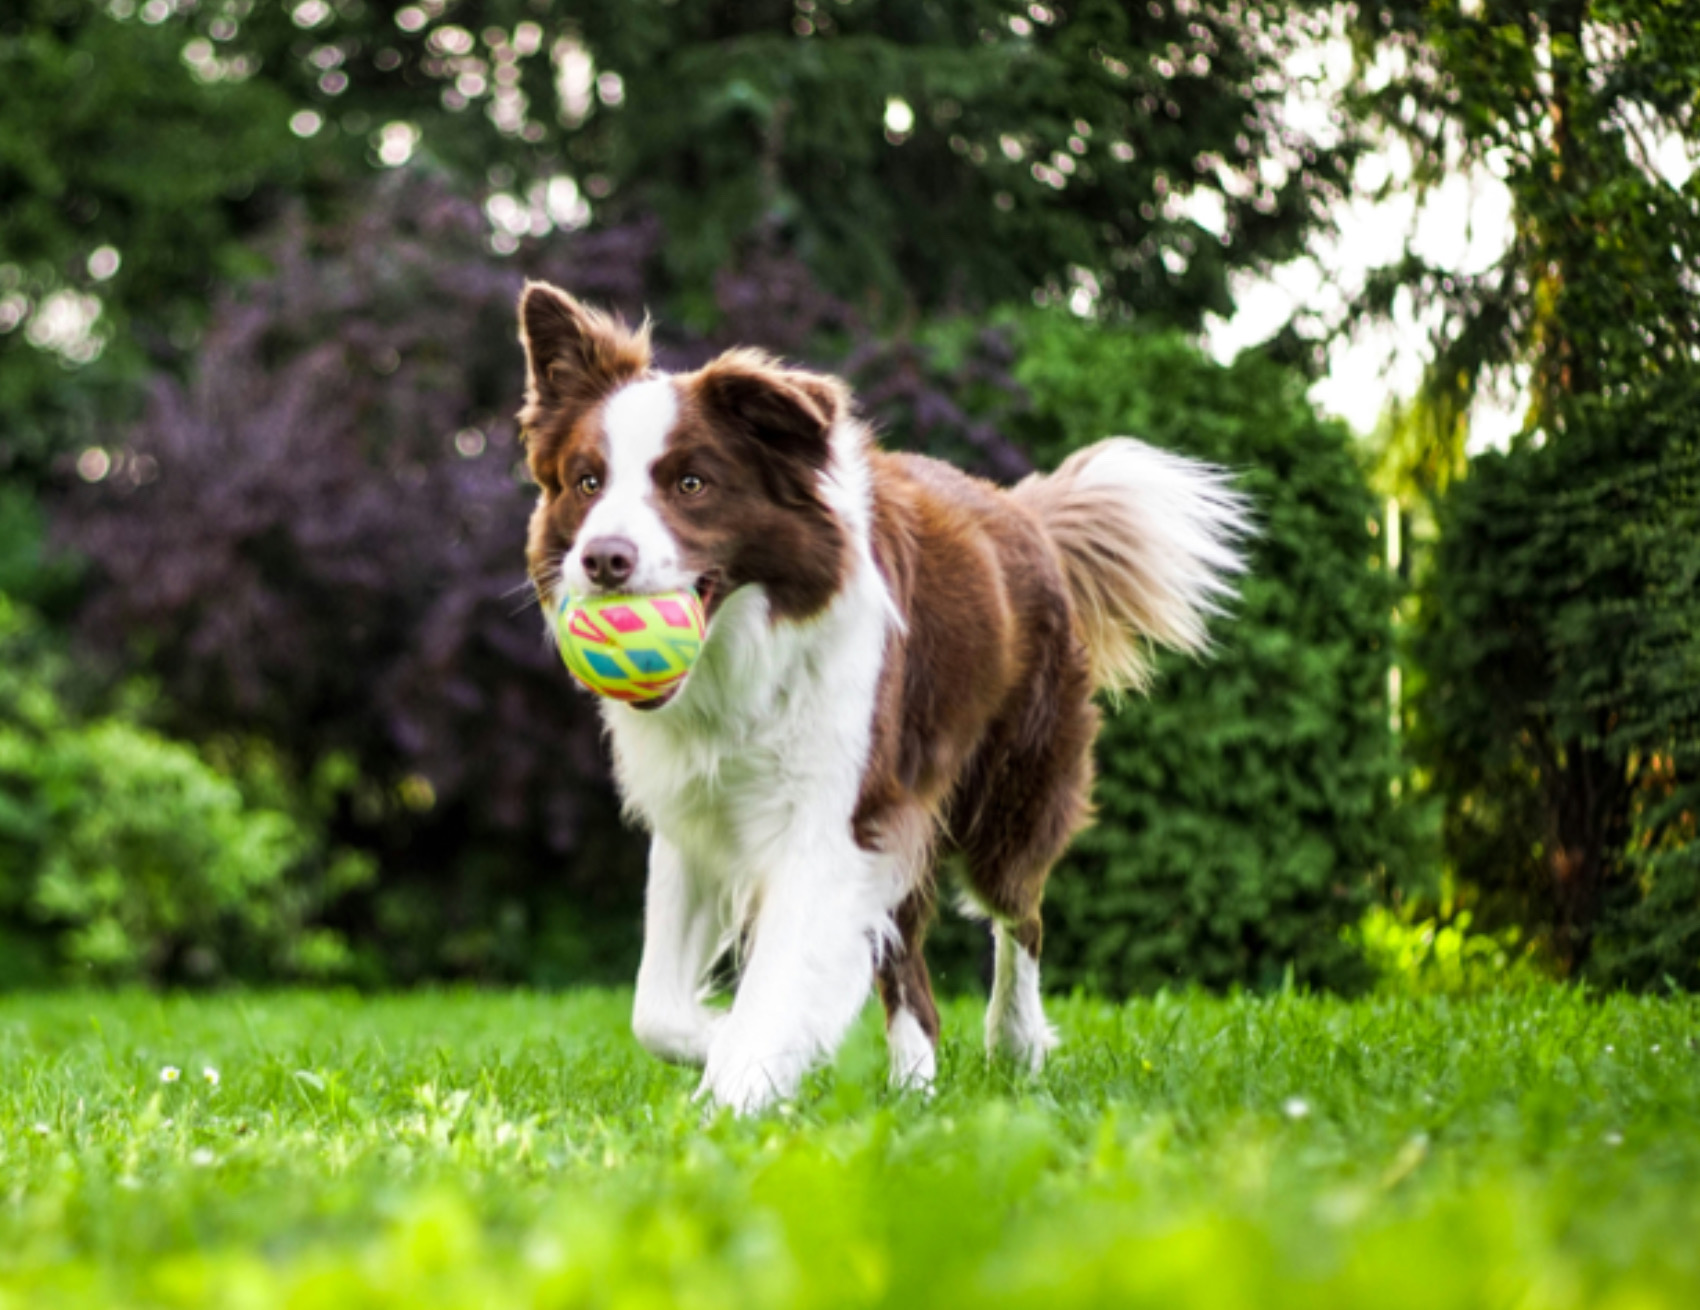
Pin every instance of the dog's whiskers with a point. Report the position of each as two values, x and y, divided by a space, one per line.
545 581
531 602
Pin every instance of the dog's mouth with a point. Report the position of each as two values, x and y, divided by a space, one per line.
711 590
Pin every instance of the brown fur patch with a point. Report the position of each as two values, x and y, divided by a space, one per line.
985 715
904 983
759 435
575 356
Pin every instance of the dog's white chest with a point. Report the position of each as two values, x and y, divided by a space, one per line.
769 737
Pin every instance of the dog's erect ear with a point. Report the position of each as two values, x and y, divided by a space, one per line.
573 354
789 411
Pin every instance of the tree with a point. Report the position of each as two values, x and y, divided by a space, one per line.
1581 108
913 156
291 536
1560 645
126 187
1554 603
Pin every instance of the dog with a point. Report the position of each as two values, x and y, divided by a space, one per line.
900 662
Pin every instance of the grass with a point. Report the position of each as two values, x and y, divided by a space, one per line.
1539 1149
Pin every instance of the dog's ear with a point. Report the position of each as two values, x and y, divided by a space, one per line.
790 412
574 354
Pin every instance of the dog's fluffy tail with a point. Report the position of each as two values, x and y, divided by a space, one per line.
1150 542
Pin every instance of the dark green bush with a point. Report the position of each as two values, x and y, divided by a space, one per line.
1560 711
1245 810
125 855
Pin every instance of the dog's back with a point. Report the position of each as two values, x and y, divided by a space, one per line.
1017 607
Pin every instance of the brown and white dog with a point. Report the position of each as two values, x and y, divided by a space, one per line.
900 661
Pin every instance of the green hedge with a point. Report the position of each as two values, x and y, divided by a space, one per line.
1245 810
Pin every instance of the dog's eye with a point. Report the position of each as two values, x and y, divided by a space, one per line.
589 485
691 485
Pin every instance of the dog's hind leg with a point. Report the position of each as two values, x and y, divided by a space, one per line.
1009 894
1015 1014
911 1017
1022 802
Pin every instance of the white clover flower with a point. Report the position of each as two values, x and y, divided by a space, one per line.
202 1158
170 1074
1295 1107
210 1076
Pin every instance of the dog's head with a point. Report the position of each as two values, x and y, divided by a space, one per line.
656 482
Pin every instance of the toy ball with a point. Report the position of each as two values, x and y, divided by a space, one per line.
631 648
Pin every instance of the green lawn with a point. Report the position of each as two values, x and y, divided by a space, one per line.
458 1149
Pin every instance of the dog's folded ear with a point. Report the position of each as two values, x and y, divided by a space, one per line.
574 354
787 410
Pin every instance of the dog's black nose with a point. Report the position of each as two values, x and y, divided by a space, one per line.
609 561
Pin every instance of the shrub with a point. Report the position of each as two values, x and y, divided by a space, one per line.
139 858
1560 711
1444 954
1246 815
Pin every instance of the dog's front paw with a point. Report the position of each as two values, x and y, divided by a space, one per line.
914 1058
748 1085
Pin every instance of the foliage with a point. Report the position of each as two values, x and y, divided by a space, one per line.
139 858
1579 107
913 156
1128 153
1539 1149
109 144
1443 954
1560 716
1245 811
1555 722
1121 151
306 535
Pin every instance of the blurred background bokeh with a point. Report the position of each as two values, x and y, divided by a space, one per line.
273 703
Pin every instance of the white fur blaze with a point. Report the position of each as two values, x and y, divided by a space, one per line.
638 420
1149 541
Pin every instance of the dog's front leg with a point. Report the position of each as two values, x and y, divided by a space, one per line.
807 978
681 934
